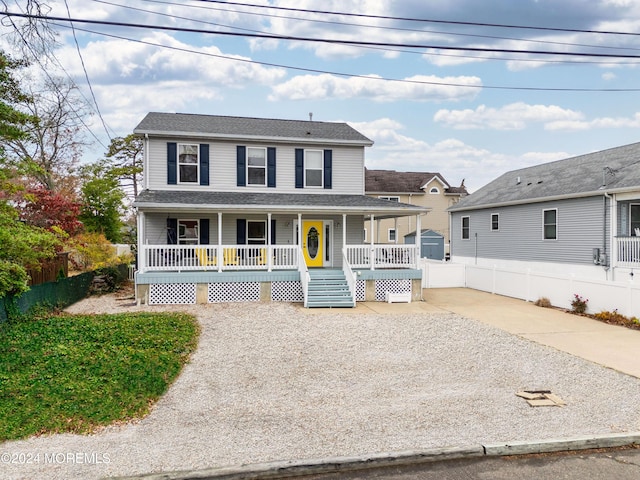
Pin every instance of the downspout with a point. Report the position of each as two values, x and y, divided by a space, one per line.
604 233
145 167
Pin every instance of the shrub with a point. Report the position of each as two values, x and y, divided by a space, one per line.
617 319
543 302
579 304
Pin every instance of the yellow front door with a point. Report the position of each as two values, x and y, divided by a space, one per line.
312 242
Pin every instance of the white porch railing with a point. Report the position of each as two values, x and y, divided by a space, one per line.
218 258
628 249
348 274
382 256
183 258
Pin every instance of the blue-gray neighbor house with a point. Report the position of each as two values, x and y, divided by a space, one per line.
238 209
580 215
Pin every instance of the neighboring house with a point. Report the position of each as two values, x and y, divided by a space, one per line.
250 209
576 216
429 190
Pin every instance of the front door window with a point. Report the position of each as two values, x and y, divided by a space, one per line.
313 242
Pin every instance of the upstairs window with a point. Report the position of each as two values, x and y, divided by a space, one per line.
465 228
188 163
550 224
256 166
313 168
391 199
434 191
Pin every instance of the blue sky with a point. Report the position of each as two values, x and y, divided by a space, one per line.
492 114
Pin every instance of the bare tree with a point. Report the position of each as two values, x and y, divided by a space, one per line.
50 154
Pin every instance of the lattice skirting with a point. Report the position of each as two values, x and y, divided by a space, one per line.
286 291
172 294
233 292
393 286
361 289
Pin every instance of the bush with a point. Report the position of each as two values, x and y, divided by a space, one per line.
91 251
579 304
617 319
543 302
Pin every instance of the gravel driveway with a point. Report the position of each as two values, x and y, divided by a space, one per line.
275 382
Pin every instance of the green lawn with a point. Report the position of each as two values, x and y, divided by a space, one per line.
71 373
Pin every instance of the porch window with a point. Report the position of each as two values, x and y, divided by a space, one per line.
188 163
495 222
256 232
634 215
465 228
392 235
188 232
550 224
256 166
313 168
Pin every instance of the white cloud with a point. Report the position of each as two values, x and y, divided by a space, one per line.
515 116
602 122
451 157
608 76
417 88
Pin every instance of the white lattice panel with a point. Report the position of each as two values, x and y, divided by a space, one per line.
172 294
361 288
287 291
233 292
392 286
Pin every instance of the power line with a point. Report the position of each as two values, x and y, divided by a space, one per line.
426 20
350 75
317 40
86 75
332 22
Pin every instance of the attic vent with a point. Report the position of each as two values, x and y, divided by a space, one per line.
539 182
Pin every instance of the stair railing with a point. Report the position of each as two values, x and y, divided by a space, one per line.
348 274
304 275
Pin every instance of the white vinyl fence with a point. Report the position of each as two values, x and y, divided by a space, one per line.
530 286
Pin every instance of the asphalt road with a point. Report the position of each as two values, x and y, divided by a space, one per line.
619 464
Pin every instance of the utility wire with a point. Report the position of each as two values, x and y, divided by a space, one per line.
425 20
86 75
350 75
331 22
319 40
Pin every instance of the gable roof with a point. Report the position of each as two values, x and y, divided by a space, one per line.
613 170
217 126
391 181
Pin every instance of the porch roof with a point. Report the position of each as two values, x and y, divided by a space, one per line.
173 200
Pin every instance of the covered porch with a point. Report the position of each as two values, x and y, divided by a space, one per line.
279 238
626 242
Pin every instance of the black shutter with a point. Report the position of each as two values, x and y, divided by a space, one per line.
299 168
172 163
271 167
204 164
241 231
273 232
241 165
172 231
328 167
204 231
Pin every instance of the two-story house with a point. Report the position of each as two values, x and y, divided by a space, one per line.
252 209
428 190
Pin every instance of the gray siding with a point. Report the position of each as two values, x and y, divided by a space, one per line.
347 176
520 234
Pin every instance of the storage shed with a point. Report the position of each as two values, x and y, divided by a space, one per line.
431 244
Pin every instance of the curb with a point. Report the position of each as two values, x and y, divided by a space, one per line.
283 469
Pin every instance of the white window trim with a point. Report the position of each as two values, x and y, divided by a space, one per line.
266 232
395 235
431 191
391 198
491 222
462 228
197 164
197 237
248 167
321 169
556 224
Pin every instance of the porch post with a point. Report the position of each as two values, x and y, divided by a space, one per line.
372 254
395 228
142 253
344 235
418 239
269 254
219 250
300 230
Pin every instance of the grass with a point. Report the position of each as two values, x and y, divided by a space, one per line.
73 373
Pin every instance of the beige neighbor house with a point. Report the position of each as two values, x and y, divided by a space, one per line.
424 189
